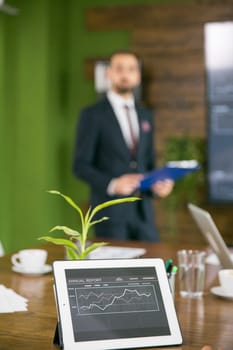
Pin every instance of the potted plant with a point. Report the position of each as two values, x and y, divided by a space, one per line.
76 242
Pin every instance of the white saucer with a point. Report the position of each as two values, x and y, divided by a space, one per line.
218 291
45 269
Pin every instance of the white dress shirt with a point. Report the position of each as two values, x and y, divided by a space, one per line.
117 102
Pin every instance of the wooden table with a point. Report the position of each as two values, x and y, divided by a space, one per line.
208 320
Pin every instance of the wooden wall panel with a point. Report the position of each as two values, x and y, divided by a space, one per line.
186 90
150 16
169 38
174 64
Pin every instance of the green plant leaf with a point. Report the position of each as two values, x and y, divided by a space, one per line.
70 202
98 221
53 192
87 215
67 230
92 247
112 202
71 254
59 241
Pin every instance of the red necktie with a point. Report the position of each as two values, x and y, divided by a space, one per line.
131 130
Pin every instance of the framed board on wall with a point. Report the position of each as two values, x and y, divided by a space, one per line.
219 69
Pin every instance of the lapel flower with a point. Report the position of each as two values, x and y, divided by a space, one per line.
146 127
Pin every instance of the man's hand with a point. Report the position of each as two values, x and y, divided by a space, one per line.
126 184
163 188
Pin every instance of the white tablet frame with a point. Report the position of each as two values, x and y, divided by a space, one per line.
64 311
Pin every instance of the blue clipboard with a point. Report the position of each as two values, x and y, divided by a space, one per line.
173 170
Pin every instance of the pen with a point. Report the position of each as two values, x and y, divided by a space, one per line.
168 265
174 269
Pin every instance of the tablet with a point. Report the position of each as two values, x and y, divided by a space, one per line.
115 304
212 235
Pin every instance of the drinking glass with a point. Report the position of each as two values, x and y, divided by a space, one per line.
191 272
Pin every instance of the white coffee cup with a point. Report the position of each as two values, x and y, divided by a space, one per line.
30 260
226 280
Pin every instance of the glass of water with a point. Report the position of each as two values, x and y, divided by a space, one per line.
191 272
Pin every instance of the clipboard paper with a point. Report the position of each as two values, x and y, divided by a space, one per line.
173 170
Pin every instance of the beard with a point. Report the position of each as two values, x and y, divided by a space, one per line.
123 87
121 90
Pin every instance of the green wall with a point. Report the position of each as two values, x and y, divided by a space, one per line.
42 88
30 128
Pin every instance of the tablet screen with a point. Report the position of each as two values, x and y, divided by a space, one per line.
113 303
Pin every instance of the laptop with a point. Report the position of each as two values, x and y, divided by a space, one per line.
209 230
115 304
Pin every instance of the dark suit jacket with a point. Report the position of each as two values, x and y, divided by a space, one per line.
102 154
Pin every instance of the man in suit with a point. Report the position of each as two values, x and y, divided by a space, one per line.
113 152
